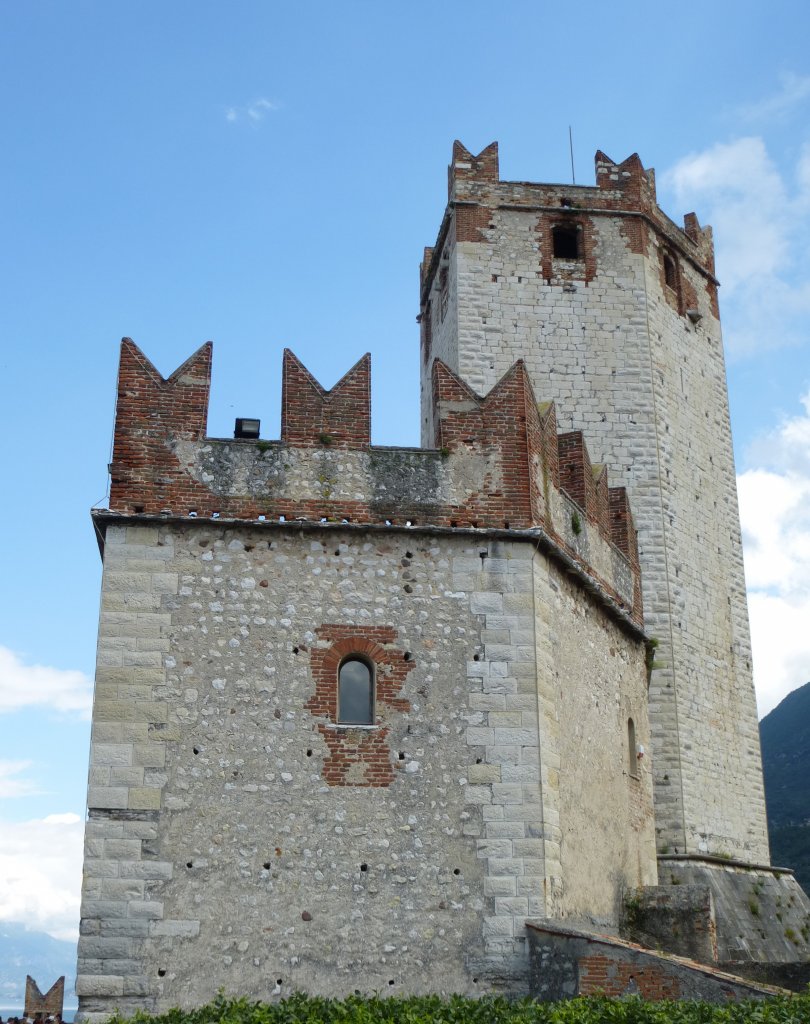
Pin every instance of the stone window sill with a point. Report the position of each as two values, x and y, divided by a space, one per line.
343 726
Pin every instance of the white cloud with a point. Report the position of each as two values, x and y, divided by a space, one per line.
259 108
794 90
775 515
21 686
41 873
761 217
11 787
255 111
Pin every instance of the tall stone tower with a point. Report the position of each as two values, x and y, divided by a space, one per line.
613 308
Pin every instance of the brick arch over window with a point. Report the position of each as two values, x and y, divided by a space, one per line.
358 756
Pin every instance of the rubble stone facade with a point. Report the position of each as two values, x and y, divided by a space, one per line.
240 835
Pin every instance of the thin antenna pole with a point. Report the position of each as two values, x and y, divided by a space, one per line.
571 148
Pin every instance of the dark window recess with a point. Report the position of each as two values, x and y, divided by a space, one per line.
632 749
565 241
355 693
670 272
443 292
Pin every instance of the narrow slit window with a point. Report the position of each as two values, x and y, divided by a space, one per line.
632 750
444 292
565 241
355 693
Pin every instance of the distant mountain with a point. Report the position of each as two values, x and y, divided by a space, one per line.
785 738
35 953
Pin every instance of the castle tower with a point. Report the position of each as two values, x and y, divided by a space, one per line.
613 309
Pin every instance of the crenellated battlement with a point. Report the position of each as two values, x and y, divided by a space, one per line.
498 463
626 189
309 412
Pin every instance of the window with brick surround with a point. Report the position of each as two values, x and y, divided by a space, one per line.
565 242
355 692
670 272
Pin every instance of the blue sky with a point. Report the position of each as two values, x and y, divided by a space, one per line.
266 175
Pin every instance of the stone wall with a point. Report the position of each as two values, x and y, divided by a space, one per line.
566 962
626 340
498 464
763 914
677 918
221 849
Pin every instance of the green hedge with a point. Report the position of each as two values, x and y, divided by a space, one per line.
299 1009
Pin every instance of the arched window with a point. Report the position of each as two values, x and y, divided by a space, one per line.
355 692
565 242
632 750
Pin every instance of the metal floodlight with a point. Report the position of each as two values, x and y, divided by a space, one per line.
248 430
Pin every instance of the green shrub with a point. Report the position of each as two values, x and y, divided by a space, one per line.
300 1009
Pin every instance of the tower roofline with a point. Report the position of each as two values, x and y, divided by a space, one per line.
624 189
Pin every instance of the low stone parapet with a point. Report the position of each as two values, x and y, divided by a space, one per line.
567 962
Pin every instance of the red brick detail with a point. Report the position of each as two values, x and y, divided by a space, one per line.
471 222
576 473
466 167
673 294
688 294
424 266
714 304
39 1006
635 231
703 239
548 429
624 536
614 977
358 757
505 421
155 415
145 473
630 178
601 499
583 269
310 414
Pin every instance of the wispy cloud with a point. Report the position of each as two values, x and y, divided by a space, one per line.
13 787
41 872
21 686
775 515
255 111
762 222
793 91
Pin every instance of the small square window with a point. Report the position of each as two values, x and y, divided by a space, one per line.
565 242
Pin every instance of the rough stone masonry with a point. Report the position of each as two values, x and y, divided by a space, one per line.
245 830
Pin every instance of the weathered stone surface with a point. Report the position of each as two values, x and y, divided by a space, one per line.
242 819
567 962
411 881
763 914
610 342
